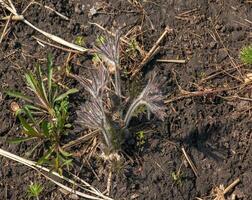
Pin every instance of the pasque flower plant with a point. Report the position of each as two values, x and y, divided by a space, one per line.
103 84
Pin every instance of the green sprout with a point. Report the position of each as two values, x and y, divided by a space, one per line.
246 55
44 117
100 40
80 40
177 177
140 137
34 190
132 49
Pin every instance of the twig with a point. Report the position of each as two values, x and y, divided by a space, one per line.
95 194
55 46
216 74
50 36
151 53
8 55
13 18
56 12
199 93
92 169
190 162
47 7
228 188
229 56
232 185
121 38
171 61
4 30
109 32
250 22
109 181
80 139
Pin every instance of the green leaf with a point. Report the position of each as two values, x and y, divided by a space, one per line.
46 156
45 128
28 112
64 95
246 54
41 84
18 95
29 130
29 153
33 107
49 75
19 140
35 86
57 162
34 190
68 163
32 82
64 153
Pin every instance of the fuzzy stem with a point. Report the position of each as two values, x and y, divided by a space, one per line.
106 134
131 110
118 82
105 126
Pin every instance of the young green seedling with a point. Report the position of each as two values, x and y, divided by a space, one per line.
34 190
44 116
246 55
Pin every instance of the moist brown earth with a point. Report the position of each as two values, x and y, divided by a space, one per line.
213 126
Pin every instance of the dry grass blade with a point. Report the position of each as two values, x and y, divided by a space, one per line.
57 39
122 39
190 162
221 191
95 194
81 139
153 51
171 61
5 30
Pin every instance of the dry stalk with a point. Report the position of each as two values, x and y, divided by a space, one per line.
5 30
171 61
155 48
109 183
190 162
187 94
81 139
57 39
221 192
94 193
53 45
125 41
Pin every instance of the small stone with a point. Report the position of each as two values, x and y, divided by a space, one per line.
14 106
134 196
92 11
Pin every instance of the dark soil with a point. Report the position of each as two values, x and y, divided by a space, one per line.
215 129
